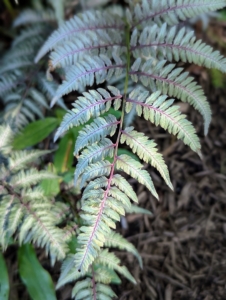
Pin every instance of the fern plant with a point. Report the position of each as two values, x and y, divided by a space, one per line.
24 90
28 215
25 210
141 45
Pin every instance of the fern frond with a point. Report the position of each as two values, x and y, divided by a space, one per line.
9 82
82 47
167 43
19 159
134 209
31 37
110 260
98 69
31 215
134 169
76 50
101 210
146 150
174 83
25 212
97 130
116 240
32 176
161 112
68 272
48 88
102 168
171 11
29 16
93 154
15 64
6 136
92 104
95 185
101 271
124 186
88 289
101 23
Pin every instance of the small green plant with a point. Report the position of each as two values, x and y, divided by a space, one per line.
132 53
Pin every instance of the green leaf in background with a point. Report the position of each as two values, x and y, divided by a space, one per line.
63 157
116 113
124 151
34 133
36 279
127 152
69 176
51 186
60 113
217 78
4 279
73 244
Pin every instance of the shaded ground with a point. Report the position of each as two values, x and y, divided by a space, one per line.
183 244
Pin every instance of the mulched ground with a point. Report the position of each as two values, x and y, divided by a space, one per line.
183 245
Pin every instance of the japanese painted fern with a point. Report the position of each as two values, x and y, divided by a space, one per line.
24 90
25 211
142 45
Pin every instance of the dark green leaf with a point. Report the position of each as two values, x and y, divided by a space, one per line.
127 152
34 133
116 113
60 113
63 157
73 244
4 279
36 279
124 151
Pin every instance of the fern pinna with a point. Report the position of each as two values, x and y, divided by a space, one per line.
141 45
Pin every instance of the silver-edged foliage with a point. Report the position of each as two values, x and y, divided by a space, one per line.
24 89
142 47
26 213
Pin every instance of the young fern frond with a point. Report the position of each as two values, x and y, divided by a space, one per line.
142 48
